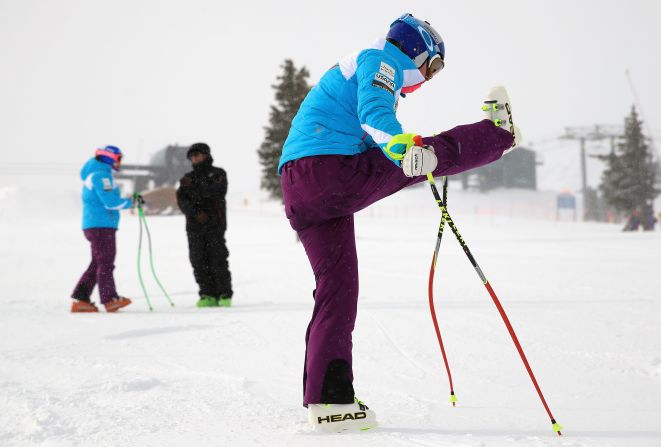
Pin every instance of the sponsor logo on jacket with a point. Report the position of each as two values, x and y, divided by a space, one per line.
380 77
383 86
387 70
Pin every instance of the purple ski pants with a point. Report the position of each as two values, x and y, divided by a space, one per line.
100 269
321 195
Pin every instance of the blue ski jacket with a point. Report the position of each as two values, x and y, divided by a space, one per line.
101 198
352 108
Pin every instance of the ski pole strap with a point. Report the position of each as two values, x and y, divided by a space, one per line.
407 140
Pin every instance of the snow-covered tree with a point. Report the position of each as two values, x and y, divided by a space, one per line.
629 179
290 90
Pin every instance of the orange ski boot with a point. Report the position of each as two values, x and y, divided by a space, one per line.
116 304
83 306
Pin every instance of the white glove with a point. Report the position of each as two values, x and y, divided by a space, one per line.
419 160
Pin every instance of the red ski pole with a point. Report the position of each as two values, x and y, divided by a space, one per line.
446 216
432 310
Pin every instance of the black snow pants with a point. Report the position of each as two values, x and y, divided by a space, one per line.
208 255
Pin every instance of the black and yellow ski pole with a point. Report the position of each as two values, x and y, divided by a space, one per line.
447 219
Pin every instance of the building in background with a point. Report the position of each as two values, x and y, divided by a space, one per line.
156 180
165 168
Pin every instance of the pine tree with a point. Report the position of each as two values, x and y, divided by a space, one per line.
290 90
628 181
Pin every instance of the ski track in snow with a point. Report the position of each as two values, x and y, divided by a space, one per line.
583 298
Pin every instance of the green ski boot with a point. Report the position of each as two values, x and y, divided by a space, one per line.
225 301
207 301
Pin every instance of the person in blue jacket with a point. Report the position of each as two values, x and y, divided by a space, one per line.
352 108
101 205
345 150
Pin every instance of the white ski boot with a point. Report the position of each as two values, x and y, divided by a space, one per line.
498 108
336 418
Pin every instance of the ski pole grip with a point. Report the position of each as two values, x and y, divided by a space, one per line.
137 198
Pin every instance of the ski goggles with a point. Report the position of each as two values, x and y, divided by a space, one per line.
434 63
112 155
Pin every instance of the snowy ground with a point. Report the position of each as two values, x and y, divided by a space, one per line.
585 300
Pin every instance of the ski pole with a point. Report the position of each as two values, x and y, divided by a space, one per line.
142 283
556 426
432 310
143 220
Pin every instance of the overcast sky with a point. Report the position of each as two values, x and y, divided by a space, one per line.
75 75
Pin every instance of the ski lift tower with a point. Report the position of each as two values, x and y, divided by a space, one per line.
599 132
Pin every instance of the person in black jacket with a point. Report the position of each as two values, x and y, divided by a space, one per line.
201 197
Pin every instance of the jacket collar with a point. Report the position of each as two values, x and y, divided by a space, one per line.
204 166
94 165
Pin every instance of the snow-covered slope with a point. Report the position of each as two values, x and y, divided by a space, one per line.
584 299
